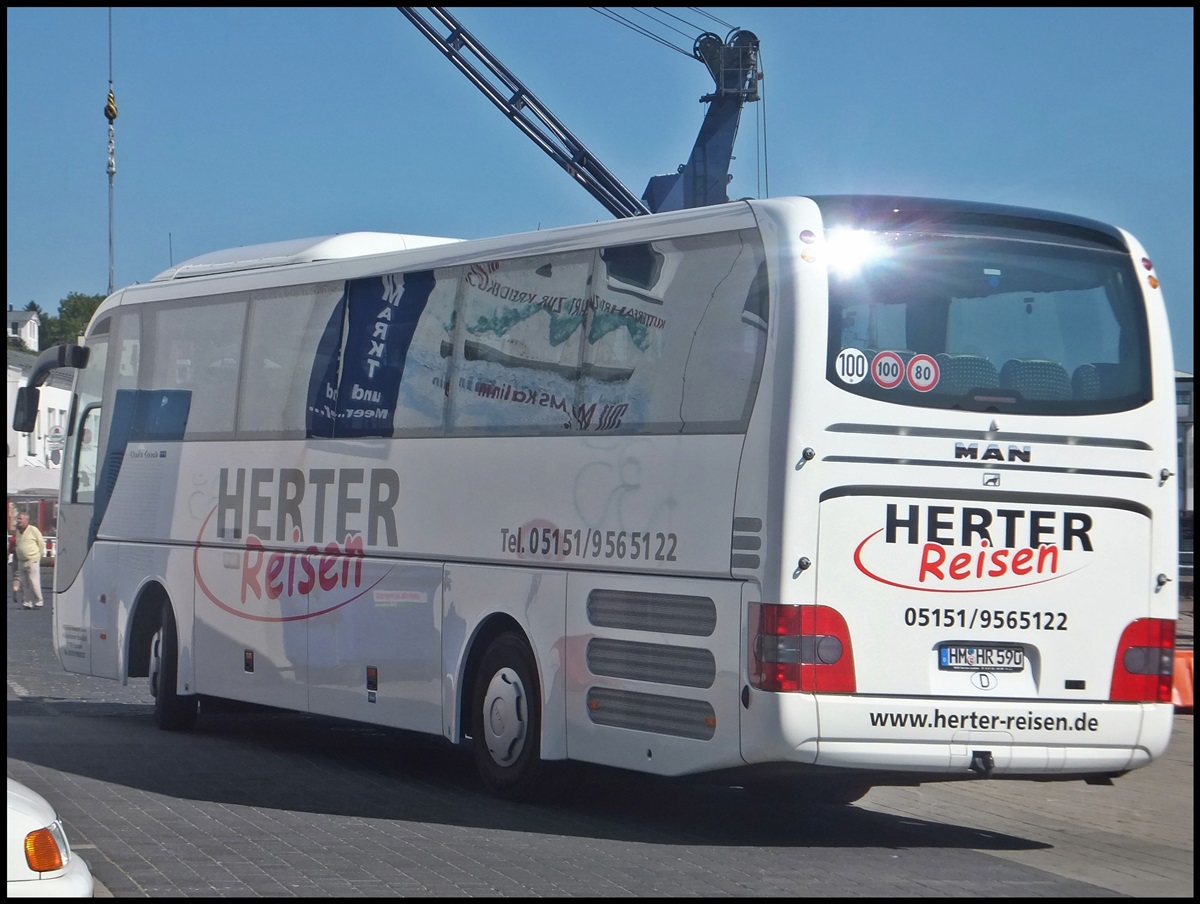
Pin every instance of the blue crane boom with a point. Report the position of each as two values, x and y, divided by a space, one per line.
528 113
733 64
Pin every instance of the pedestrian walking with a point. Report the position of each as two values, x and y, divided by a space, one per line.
28 550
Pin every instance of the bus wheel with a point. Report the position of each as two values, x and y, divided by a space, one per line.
506 720
172 710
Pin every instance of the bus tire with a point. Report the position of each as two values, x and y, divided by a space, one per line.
172 711
506 720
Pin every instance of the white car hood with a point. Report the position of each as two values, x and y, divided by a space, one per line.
25 804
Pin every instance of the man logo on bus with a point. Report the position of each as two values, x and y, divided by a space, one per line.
992 452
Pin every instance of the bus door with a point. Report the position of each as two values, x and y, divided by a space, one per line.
81 460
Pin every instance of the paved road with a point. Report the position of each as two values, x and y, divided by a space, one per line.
281 805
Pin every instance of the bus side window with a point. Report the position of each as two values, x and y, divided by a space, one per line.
425 379
198 348
518 358
283 330
722 367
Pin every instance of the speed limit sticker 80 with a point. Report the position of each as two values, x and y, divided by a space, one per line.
923 373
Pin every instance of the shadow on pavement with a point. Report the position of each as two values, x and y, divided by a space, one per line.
295 762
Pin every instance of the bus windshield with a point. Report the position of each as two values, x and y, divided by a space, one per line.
1009 323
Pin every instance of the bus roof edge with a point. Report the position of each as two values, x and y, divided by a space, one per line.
299 251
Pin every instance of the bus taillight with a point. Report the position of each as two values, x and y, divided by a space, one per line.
1145 663
800 648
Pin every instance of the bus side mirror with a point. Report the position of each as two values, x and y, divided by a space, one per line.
75 356
25 410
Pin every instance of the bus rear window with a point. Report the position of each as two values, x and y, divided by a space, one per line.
986 324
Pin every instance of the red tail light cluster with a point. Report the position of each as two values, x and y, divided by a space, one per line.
1145 663
800 648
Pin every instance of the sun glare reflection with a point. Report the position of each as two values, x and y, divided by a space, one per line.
851 249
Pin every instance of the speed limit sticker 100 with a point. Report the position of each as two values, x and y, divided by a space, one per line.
887 370
851 365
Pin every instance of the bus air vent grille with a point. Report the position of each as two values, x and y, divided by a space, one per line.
695 616
681 666
651 712
746 536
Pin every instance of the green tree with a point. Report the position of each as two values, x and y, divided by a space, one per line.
74 312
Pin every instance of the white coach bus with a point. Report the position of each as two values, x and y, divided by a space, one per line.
851 490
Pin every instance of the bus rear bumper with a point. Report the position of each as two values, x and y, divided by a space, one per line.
990 738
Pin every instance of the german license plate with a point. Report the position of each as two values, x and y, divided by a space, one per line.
981 657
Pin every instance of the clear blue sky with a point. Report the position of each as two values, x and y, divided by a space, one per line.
240 126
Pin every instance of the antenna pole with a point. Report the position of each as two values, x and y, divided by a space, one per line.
110 113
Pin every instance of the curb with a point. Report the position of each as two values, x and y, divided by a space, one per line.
1185 682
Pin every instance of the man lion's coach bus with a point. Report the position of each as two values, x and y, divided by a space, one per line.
844 490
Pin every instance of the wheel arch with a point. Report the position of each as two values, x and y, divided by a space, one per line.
144 622
485 633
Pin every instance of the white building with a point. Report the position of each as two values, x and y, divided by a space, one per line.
34 459
23 326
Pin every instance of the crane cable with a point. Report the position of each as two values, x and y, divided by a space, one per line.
760 119
608 13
